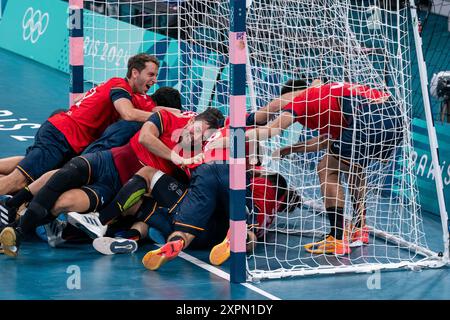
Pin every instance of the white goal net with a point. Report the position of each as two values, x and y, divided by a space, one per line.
336 41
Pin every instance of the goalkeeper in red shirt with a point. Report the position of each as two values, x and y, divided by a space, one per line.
360 125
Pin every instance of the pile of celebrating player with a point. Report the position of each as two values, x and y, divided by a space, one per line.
121 166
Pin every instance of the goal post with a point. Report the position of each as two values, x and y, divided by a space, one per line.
364 43
431 133
236 55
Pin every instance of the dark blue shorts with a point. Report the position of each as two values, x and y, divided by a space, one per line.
116 135
105 182
206 204
372 134
49 151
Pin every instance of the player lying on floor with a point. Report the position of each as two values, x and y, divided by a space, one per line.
201 218
129 192
199 213
159 212
67 134
117 134
363 125
101 175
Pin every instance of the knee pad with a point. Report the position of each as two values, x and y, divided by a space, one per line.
94 202
133 190
168 191
72 175
78 169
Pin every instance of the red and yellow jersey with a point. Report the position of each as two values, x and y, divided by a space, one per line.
143 101
319 108
216 154
87 119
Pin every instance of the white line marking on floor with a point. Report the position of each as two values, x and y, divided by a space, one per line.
223 274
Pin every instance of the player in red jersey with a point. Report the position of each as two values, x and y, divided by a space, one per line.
362 124
120 132
156 148
67 134
117 134
156 179
317 107
200 215
100 176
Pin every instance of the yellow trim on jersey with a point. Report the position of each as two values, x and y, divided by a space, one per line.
189 226
152 212
96 196
89 168
176 204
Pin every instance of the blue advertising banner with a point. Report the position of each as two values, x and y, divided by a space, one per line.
36 30
423 166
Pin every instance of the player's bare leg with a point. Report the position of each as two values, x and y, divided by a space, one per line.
7 165
13 182
357 182
329 170
73 200
147 173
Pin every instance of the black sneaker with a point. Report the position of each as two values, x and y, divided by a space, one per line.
7 214
10 241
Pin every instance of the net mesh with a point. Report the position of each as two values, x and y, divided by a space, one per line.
335 41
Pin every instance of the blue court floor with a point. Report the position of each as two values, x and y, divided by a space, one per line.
29 92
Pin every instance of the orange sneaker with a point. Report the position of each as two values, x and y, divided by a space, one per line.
221 252
329 245
360 236
153 260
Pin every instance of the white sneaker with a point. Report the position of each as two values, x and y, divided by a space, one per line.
88 222
54 232
109 246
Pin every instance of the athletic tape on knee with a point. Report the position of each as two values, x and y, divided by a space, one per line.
72 175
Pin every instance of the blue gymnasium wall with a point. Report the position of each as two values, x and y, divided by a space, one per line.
51 48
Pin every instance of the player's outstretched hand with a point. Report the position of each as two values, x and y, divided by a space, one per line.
183 162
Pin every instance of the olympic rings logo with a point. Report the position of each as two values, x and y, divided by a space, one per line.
34 24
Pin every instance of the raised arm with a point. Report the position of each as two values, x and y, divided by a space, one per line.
149 138
128 112
263 115
274 128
